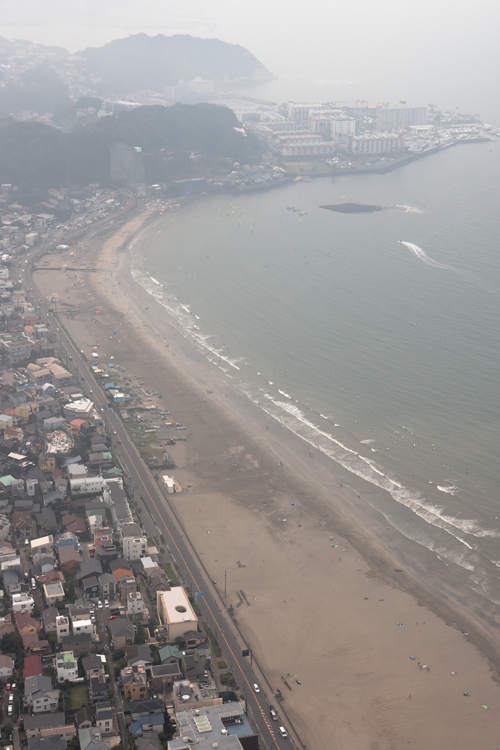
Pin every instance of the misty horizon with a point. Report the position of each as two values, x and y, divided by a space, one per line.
444 54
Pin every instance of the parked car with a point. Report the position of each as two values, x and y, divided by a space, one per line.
113 617
283 732
106 602
99 605
8 686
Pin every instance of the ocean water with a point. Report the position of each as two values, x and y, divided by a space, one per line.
375 337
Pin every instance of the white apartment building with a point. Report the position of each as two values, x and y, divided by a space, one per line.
66 666
86 486
376 143
400 118
309 148
83 627
62 627
22 602
135 604
135 547
342 127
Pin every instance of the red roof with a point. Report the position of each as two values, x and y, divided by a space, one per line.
120 572
74 523
23 618
32 666
29 639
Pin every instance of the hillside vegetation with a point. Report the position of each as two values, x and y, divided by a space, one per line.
141 62
33 155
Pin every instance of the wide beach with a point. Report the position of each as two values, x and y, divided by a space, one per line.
326 614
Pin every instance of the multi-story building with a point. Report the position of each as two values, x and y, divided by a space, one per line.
104 717
134 547
22 601
400 118
122 632
17 348
116 499
39 694
135 683
135 604
309 147
62 627
86 485
341 127
66 666
175 612
376 143
83 627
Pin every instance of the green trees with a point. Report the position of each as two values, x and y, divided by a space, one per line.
12 643
144 62
35 156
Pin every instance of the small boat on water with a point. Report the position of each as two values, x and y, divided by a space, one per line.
289 208
303 213
294 208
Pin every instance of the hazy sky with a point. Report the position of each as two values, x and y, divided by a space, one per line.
444 50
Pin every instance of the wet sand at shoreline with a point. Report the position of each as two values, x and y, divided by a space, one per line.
323 613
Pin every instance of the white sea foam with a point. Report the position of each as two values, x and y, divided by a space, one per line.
410 209
421 255
448 490
367 469
294 419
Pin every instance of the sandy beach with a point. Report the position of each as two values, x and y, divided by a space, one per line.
333 597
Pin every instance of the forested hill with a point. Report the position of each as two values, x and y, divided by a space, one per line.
34 155
141 62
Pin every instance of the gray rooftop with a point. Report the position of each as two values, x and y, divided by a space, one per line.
120 627
40 721
88 568
37 682
49 616
207 726
92 662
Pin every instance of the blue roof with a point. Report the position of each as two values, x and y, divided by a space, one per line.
154 719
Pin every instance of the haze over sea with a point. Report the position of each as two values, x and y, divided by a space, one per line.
383 355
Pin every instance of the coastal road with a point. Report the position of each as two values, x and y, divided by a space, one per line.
208 598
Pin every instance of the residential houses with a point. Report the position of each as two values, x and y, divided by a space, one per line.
122 632
39 694
6 667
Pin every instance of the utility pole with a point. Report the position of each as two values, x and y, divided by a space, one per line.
225 582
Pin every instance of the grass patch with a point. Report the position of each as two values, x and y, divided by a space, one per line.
79 696
215 646
172 575
222 664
